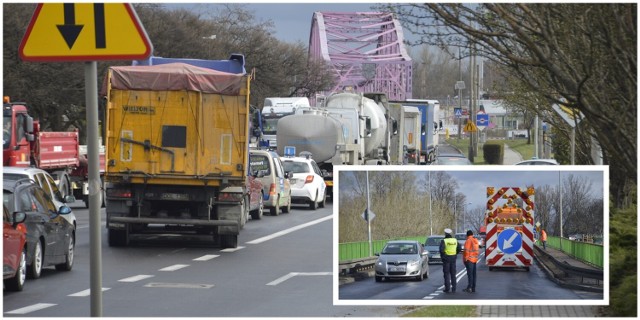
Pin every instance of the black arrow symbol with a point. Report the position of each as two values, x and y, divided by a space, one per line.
70 30
98 17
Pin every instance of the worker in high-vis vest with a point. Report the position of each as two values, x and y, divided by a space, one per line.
470 258
449 249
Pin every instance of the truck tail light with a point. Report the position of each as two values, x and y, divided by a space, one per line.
119 193
309 179
272 189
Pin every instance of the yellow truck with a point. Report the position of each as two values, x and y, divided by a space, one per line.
177 149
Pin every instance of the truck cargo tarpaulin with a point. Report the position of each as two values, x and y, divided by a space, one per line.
174 77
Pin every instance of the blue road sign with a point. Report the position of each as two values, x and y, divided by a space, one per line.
458 112
482 120
289 151
509 241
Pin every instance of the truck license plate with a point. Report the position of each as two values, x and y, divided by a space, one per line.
175 196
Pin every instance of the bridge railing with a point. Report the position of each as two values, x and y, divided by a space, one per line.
587 252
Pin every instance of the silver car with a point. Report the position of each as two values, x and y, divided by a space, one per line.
402 259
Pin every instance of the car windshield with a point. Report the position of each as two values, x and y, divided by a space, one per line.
461 236
400 248
434 241
260 162
296 167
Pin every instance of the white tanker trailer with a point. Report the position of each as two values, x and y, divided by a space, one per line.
350 129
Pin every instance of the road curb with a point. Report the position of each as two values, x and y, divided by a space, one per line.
553 277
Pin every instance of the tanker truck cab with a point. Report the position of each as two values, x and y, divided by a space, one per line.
275 182
275 109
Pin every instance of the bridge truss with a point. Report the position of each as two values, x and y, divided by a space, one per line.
366 51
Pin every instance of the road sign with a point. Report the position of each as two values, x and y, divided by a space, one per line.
482 120
370 216
289 151
458 112
470 127
571 116
509 241
84 32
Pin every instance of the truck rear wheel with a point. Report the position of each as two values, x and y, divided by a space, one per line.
229 241
118 238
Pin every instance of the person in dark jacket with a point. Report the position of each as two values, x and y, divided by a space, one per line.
449 249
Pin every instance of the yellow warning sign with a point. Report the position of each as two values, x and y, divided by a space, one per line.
470 127
84 32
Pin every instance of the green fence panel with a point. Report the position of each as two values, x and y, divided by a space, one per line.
359 250
587 252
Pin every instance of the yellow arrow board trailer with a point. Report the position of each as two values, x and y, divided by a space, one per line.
177 151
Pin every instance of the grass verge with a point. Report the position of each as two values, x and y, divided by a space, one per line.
443 311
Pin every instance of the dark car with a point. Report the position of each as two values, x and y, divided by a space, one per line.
14 254
451 160
50 237
432 245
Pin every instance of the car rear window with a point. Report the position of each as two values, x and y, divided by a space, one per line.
259 162
434 241
296 167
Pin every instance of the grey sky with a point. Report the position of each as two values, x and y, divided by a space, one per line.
292 21
474 181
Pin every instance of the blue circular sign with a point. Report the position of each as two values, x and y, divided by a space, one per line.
509 241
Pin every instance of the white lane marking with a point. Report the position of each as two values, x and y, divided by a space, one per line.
232 249
428 297
84 293
174 267
293 274
283 232
31 308
136 278
206 257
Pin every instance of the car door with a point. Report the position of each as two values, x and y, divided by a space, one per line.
283 183
10 244
53 223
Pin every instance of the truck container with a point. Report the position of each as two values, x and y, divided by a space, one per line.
430 125
349 129
177 149
58 153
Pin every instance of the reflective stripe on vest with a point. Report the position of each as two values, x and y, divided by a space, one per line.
450 245
471 250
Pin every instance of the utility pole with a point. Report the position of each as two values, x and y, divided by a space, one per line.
460 92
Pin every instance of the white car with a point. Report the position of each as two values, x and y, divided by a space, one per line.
45 181
307 182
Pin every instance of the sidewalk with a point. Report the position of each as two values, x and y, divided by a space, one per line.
510 156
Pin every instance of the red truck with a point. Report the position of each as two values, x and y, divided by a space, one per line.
59 153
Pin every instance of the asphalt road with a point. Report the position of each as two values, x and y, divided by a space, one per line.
498 285
282 268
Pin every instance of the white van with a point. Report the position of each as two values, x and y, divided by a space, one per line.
275 183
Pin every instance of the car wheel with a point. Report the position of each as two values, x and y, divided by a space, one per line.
34 270
420 277
323 203
275 210
287 208
257 214
68 260
313 205
16 283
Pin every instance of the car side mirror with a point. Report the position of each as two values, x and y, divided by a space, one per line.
19 217
69 199
288 174
64 210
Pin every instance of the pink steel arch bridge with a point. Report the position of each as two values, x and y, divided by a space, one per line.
366 51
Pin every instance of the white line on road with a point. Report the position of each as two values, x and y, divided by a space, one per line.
84 293
174 267
232 249
206 257
293 274
136 278
32 308
283 232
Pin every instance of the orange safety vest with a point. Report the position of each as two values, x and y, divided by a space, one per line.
471 249
543 236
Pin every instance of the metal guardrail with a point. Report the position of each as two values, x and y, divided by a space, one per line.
573 270
357 265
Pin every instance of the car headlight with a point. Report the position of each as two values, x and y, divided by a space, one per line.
380 263
414 263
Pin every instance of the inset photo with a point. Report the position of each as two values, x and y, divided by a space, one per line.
410 235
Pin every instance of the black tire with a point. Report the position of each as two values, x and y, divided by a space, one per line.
229 241
34 270
68 258
16 283
323 203
275 210
258 213
287 208
313 205
118 238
